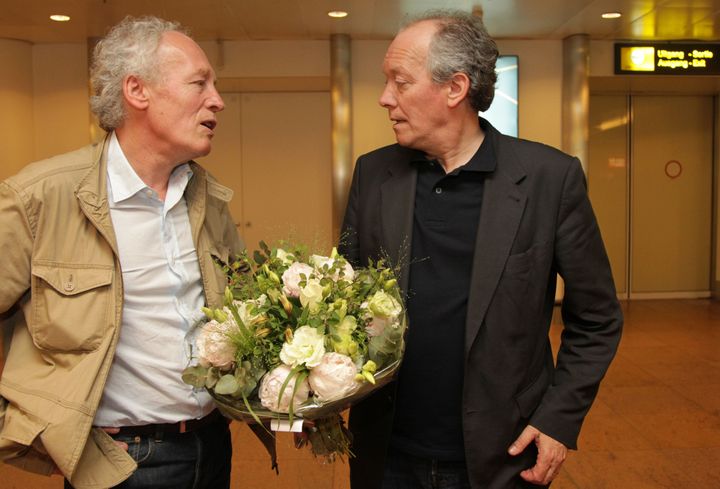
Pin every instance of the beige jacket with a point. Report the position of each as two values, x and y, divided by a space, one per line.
62 298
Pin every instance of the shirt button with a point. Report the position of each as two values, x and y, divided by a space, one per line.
438 190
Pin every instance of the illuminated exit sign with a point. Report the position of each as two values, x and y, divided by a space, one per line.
667 59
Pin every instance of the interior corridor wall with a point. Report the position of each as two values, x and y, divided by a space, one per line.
52 116
16 100
715 281
61 113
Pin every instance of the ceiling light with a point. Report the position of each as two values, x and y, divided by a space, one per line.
611 15
60 18
337 14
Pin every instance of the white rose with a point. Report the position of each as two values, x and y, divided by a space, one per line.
292 277
244 308
334 378
214 347
312 294
284 257
270 387
307 347
320 262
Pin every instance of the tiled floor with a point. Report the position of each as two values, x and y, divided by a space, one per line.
656 421
655 424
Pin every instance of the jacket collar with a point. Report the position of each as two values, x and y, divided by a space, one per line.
397 203
91 193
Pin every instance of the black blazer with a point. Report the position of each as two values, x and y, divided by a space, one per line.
535 222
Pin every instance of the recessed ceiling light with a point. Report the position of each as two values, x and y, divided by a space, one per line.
60 18
337 14
611 15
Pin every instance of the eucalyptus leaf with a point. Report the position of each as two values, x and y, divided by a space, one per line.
227 385
195 376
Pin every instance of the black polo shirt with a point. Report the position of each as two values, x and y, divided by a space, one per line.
428 410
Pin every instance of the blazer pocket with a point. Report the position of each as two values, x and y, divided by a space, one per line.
529 398
519 264
70 306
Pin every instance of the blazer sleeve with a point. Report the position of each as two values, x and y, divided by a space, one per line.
591 315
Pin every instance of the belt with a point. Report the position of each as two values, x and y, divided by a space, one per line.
172 428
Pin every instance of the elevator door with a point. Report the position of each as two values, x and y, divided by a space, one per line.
274 150
671 194
650 180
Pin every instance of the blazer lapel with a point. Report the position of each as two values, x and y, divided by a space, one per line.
397 204
502 209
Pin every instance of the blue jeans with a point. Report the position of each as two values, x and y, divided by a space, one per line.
403 471
195 460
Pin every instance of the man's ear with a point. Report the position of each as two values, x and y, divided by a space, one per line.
135 92
459 86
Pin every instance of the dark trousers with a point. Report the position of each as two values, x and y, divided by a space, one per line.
403 471
195 460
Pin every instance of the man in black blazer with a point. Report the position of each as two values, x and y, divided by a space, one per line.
479 225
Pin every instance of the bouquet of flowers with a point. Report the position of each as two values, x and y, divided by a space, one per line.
300 336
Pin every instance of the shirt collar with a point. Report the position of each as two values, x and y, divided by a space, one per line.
124 182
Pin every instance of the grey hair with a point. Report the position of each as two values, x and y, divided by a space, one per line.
462 45
128 49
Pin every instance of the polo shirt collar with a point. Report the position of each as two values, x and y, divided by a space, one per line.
484 159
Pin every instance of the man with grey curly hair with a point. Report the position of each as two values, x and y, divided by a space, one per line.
128 48
479 225
109 258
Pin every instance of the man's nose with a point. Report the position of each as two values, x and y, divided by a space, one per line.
216 102
387 99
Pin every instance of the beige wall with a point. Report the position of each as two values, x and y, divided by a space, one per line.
715 279
540 89
60 98
16 103
60 118
371 126
602 58
269 58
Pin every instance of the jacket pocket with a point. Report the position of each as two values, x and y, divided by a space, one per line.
21 427
529 398
70 305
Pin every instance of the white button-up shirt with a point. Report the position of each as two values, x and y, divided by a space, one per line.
163 295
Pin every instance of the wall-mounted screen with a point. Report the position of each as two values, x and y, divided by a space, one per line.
503 113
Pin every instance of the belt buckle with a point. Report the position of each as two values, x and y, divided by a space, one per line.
183 427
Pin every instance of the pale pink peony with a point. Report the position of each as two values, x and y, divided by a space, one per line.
376 326
334 378
214 347
270 387
292 277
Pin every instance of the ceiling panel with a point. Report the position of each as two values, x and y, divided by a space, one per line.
368 19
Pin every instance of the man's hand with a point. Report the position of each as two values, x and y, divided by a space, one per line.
109 431
551 455
115 431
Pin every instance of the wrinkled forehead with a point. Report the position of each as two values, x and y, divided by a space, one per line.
176 50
